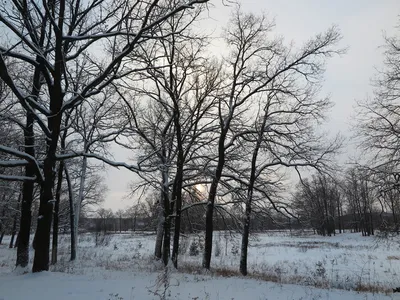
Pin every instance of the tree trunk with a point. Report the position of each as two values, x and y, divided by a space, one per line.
167 240
3 213
16 241
177 229
371 223
341 219
339 216
177 187
54 249
160 228
27 197
247 218
71 213
167 221
28 186
245 240
78 203
14 227
177 197
210 212
211 197
209 224
42 236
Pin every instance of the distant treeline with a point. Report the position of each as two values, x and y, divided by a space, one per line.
348 222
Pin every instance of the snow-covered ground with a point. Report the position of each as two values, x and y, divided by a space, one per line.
142 286
121 266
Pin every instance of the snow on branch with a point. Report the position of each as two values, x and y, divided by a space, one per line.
20 35
26 100
16 178
189 206
25 156
12 163
98 157
99 82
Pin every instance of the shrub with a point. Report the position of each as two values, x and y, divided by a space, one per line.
194 249
235 249
102 239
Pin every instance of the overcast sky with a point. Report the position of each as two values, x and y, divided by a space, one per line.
362 24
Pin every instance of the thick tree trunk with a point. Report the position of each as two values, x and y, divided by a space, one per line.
245 240
213 193
209 224
1 236
177 196
25 221
42 236
247 216
27 197
54 248
210 203
28 186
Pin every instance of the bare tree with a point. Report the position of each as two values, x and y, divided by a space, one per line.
378 131
105 215
387 192
71 30
282 82
361 196
11 113
93 125
378 122
315 204
180 90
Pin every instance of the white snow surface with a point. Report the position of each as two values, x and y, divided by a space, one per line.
129 286
121 267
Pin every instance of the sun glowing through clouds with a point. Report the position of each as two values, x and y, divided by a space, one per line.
200 188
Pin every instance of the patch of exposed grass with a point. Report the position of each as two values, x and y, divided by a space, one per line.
371 288
393 257
225 272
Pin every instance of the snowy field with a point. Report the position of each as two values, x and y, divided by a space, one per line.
281 266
